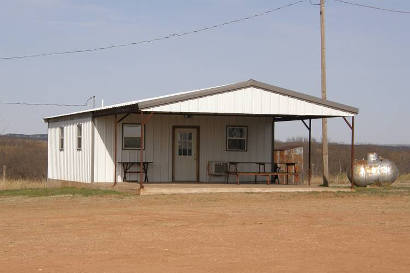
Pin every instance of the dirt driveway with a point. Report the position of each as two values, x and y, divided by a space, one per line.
206 233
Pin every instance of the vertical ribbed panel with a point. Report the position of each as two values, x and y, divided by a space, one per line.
70 164
158 143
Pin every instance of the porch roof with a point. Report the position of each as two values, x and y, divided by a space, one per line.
249 98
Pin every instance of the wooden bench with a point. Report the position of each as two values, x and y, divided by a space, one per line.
267 174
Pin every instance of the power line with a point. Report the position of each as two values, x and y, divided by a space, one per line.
50 104
372 7
172 35
314 4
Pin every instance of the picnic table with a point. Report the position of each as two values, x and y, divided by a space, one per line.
233 170
127 165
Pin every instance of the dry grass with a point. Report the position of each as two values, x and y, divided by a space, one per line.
404 178
62 191
22 184
334 180
402 185
24 158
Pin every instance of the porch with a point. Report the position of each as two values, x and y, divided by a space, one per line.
232 125
198 188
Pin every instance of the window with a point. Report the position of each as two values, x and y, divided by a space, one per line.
131 136
185 144
236 138
79 136
61 138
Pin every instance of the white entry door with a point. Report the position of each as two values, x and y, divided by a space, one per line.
185 154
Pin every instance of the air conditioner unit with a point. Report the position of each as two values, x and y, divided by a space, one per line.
217 168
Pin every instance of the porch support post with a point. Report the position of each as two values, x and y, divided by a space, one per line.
143 122
310 152
115 149
142 152
351 126
273 149
309 127
352 154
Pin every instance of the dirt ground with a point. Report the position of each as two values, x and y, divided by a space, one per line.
297 232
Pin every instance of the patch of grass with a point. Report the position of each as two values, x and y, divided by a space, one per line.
383 190
369 191
60 191
358 192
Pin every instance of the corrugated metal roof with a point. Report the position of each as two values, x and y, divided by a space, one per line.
183 96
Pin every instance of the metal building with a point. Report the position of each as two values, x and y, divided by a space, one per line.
174 137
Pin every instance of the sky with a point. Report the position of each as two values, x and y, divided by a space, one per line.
368 57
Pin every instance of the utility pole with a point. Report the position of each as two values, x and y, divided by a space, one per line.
325 151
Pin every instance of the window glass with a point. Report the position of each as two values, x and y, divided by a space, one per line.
185 144
236 138
79 136
236 132
131 138
61 138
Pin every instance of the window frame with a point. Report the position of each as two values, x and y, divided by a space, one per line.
122 136
61 138
79 138
227 138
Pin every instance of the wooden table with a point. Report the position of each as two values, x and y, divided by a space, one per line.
127 165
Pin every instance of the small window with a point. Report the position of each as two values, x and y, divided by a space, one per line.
131 136
185 144
236 138
61 138
79 136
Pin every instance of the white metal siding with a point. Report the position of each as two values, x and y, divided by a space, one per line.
250 100
70 164
104 149
74 165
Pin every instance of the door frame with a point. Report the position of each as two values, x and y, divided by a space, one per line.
197 148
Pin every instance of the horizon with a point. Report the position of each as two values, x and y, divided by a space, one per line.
304 140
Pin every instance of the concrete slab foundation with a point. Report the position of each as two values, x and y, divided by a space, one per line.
152 189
